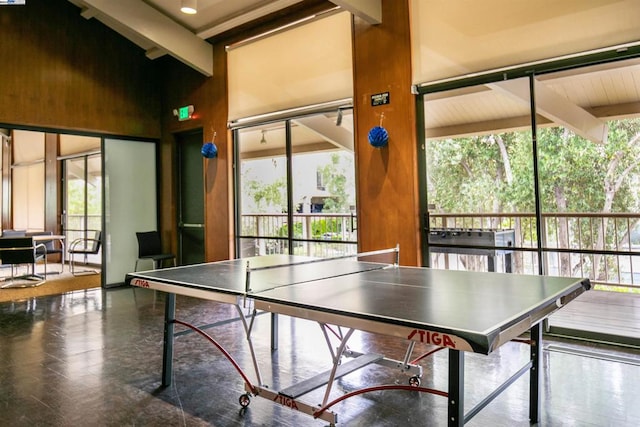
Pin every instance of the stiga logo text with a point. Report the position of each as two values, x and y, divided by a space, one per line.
434 338
140 283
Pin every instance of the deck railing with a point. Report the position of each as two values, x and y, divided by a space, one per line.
327 234
603 247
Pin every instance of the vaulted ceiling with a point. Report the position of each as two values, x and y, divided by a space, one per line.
160 28
580 99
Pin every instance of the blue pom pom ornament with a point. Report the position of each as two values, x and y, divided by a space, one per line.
209 150
378 137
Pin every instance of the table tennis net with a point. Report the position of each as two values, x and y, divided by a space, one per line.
306 270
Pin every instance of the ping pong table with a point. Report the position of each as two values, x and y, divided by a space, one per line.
458 311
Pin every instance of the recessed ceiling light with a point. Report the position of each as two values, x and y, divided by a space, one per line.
189 7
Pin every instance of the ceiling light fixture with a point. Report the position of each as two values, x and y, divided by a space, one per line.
339 118
189 7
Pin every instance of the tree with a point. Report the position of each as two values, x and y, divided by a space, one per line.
267 197
335 178
494 173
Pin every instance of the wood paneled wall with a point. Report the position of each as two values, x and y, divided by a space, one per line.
184 86
63 72
387 181
60 71
53 184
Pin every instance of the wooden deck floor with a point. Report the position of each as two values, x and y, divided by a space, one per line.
607 316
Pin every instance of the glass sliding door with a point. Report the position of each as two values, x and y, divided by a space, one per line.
83 199
128 208
589 151
323 185
295 186
82 189
262 201
191 236
553 157
479 179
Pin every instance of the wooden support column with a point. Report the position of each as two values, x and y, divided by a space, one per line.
53 184
387 180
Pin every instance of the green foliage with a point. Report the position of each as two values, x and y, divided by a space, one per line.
324 226
75 197
297 231
495 174
267 197
334 177
470 174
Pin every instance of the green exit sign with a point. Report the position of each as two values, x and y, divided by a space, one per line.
185 113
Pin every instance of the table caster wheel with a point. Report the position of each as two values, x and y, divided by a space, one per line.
244 400
414 381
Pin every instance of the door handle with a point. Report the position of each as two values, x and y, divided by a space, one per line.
188 225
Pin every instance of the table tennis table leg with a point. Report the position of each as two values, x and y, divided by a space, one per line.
535 372
167 352
456 388
274 331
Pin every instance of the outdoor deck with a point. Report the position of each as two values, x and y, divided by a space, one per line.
607 316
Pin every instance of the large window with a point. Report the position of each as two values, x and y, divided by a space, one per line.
564 181
83 198
296 191
82 192
480 179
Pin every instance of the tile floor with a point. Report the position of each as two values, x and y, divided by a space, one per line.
93 358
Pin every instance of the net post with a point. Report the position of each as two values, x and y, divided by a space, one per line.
247 284
397 254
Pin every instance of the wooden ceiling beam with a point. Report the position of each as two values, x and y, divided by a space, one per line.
327 130
369 10
140 19
556 108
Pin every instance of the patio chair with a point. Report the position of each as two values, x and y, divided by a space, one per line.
14 233
50 247
15 251
85 246
150 248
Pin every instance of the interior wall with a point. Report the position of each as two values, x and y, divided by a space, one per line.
61 71
127 208
184 86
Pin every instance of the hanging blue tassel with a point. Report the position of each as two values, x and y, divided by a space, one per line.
209 150
378 137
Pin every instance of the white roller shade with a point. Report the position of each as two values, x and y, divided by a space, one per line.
452 38
28 146
27 180
78 144
306 65
28 197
